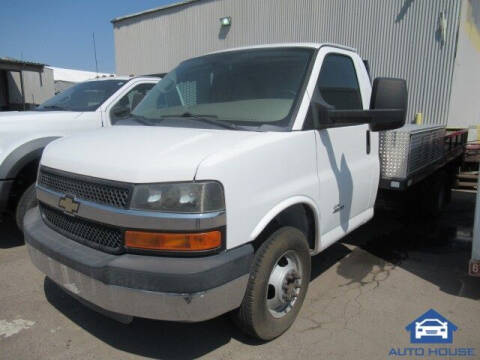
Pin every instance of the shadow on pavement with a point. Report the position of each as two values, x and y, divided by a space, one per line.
10 236
430 249
327 258
150 338
161 339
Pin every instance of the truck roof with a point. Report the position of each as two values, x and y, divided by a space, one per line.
299 44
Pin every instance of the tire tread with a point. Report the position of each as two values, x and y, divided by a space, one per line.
243 316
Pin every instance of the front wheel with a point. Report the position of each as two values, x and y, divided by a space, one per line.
277 286
27 201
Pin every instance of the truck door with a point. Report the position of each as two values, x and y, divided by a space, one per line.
344 158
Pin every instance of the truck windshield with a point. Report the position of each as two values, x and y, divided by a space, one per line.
86 96
254 89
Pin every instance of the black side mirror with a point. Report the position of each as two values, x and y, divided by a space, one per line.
389 99
121 111
388 108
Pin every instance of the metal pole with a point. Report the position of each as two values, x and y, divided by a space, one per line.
95 54
474 268
21 80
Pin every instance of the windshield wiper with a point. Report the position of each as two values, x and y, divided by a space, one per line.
209 119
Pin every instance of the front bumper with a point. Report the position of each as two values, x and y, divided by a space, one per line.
163 288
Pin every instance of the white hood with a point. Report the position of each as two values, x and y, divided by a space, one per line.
140 154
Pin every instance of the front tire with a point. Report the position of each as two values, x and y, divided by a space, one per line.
278 283
27 201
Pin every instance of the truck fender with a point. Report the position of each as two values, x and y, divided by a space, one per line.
277 209
22 155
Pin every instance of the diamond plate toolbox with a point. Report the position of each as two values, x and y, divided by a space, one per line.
407 150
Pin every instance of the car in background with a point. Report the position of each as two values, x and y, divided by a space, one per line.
24 134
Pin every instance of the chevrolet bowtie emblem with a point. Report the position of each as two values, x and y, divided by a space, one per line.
69 205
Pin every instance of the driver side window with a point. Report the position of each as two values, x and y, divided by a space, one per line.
338 84
123 108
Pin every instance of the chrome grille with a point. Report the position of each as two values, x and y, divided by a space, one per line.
82 188
91 234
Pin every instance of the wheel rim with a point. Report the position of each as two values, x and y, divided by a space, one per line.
284 284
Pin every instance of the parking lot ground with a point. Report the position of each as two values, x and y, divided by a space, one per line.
363 293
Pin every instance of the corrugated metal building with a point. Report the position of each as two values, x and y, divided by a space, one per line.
434 44
24 84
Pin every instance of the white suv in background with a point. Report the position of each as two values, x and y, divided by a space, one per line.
24 134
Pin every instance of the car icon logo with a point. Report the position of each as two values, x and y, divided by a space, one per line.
431 327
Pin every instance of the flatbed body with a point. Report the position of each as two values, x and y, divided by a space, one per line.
414 152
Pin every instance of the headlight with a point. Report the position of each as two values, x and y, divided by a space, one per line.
191 197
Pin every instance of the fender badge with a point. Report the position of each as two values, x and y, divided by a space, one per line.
338 208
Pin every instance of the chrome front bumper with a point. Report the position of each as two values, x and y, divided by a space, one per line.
141 303
154 287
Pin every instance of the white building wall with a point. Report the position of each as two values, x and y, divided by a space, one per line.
465 100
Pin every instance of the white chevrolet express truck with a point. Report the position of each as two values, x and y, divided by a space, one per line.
234 170
24 134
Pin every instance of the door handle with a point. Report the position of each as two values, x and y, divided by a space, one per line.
368 142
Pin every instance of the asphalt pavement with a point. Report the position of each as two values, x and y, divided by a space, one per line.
364 291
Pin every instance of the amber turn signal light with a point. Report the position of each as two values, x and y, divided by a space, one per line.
173 241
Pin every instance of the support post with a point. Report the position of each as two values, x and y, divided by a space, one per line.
23 89
474 268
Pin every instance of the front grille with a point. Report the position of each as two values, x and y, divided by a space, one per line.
81 188
84 231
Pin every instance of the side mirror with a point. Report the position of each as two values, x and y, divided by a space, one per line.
121 111
389 101
388 108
